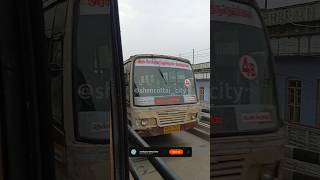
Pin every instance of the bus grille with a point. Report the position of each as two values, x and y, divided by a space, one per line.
227 167
170 117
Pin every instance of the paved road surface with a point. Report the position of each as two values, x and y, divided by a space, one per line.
196 167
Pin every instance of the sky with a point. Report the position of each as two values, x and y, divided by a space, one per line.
170 27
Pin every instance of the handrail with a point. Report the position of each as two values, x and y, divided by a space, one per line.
160 166
303 137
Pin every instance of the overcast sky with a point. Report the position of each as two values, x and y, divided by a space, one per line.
171 27
165 27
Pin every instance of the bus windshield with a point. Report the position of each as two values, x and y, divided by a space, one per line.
243 95
159 81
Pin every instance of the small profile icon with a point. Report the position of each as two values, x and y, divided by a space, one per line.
133 152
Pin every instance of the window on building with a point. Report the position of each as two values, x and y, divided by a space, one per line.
201 93
294 100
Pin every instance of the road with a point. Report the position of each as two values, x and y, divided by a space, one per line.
187 168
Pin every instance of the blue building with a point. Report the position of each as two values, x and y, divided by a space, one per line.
202 76
295 40
298 81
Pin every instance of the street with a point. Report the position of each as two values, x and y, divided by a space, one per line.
195 167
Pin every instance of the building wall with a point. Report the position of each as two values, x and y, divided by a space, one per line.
306 69
206 84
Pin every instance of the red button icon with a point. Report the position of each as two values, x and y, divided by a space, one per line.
176 152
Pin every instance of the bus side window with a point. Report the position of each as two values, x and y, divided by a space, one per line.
92 73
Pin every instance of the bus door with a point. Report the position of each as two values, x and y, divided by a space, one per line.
61 86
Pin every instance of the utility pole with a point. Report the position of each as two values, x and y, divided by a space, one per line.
266 4
193 56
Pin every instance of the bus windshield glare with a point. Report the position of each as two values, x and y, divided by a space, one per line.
242 93
159 81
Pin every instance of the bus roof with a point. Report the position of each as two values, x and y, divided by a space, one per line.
131 58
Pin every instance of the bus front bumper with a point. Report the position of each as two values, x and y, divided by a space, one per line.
156 131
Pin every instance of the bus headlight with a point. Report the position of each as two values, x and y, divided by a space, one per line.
148 121
194 116
144 122
269 172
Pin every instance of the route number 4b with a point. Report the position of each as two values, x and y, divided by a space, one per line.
248 67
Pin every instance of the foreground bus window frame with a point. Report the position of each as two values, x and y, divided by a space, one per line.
118 140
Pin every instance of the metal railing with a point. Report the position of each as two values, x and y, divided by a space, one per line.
158 164
205 104
304 138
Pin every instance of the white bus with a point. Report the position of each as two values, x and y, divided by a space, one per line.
161 94
247 141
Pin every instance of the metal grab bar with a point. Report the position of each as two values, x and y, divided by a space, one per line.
133 171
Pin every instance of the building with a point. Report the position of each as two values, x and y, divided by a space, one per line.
298 81
202 76
295 40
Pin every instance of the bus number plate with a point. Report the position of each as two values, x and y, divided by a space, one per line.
171 129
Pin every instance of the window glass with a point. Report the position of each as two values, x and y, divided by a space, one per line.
173 82
294 100
92 73
201 93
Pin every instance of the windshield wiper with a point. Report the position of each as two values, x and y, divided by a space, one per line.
162 76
